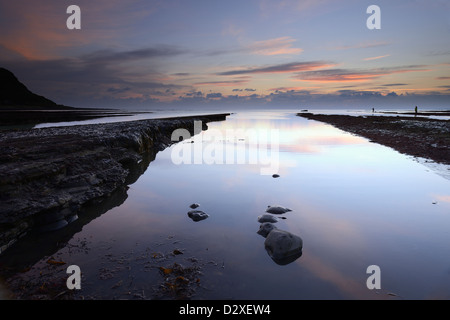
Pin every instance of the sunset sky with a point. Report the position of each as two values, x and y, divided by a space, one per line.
158 54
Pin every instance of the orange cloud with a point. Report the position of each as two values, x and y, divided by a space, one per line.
344 75
39 32
337 77
33 29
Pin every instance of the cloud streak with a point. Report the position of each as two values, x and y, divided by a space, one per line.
105 72
280 68
348 75
376 58
270 47
229 83
41 33
110 56
127 52
363 45
394 84
273 47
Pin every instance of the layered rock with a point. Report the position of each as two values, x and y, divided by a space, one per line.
48 175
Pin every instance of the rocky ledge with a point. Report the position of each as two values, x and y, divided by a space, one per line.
48 175
416 136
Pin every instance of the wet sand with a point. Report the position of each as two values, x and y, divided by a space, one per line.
415 136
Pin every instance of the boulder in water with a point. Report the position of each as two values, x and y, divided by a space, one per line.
194 206
283 247
267 218
265 228
277 209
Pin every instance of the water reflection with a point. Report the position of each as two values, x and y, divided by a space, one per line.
36 245
44 242
355 203
283 247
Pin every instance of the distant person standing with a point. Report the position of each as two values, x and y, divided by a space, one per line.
415 110
373 110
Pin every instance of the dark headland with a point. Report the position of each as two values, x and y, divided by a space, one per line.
48 176
417 136
21 107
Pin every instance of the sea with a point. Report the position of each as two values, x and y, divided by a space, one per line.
373 222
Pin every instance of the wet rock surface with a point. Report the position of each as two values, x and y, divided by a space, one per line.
267 218
277 209
197 215
48 175
265 228
160 271
194 206
283 247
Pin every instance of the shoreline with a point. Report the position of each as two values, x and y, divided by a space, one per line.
27 119
419 137
49 175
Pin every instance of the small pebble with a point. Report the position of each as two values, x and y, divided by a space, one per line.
197 215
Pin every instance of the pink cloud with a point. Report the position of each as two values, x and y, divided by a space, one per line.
276 46
376 58
346 75
39 32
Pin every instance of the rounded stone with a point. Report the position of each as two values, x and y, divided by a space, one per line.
265 228
267 218
197 215
277 209
283 247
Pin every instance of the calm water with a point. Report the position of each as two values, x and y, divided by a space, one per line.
354 204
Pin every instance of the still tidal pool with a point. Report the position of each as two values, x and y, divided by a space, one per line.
354 204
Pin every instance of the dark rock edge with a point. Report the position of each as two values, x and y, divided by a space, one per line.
48 175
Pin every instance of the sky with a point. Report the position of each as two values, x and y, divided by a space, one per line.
151 54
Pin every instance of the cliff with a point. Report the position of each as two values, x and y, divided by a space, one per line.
14 94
